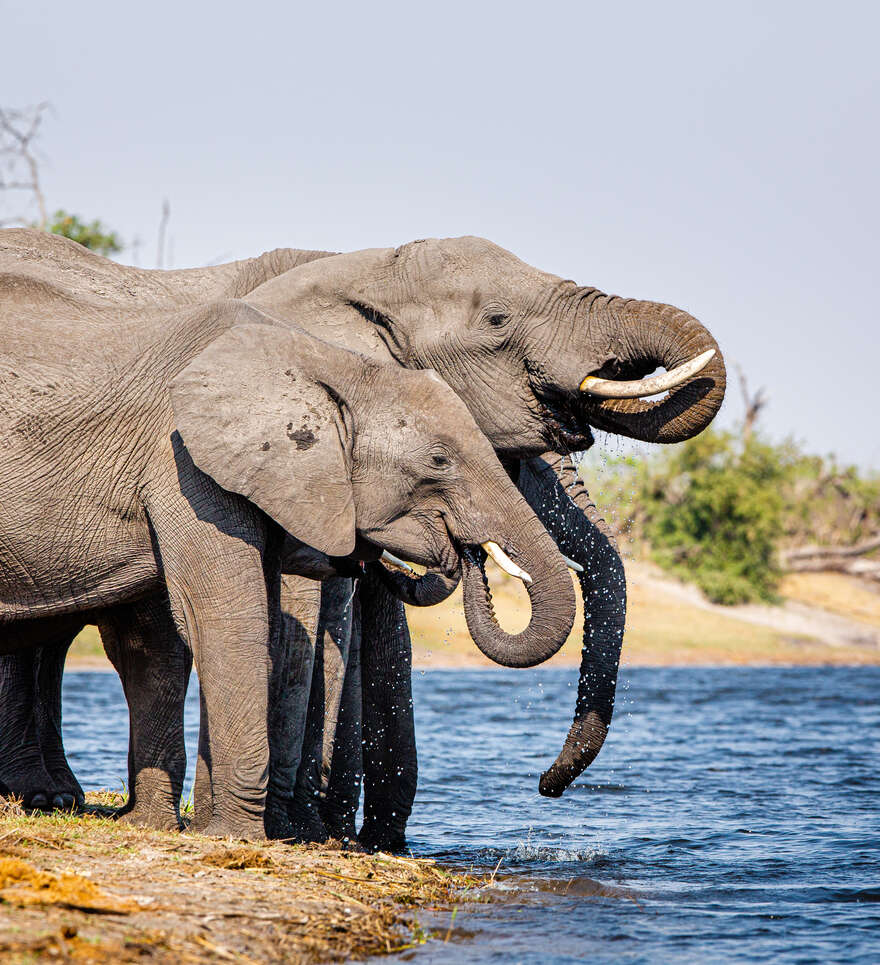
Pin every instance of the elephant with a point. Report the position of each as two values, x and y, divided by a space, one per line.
539 362
151 453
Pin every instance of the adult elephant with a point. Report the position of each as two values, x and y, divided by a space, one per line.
33 765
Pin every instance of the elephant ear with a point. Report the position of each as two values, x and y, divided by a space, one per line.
258 426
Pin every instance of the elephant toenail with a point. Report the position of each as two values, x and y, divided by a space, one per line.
39 802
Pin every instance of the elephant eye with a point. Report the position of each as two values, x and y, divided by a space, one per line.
440 461
498 319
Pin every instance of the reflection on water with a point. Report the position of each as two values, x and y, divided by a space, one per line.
732 816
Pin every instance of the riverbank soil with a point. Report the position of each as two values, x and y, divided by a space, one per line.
91 889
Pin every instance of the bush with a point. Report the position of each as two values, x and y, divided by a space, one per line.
92 235
714 512
717 511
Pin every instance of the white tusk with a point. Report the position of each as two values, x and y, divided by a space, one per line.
505 562
572 565
609 389
395 563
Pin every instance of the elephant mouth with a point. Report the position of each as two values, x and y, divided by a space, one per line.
567 428
564 417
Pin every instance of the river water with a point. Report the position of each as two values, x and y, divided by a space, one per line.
733 815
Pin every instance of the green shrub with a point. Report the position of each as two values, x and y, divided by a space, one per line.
713 513
92 234
718 511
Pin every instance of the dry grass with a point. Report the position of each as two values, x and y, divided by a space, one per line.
836 592
88 651
88 889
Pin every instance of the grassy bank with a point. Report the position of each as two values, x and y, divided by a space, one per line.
91 889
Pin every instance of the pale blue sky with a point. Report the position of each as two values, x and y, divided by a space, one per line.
720 157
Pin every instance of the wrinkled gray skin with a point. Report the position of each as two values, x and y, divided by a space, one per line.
515 344
158 458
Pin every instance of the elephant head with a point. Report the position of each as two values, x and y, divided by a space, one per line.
337 448
539 361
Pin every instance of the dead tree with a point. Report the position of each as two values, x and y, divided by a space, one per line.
19 168
838 559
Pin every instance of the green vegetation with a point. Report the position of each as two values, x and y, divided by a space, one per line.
721 512
91 234
713 513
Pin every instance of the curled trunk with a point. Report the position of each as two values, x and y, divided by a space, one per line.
551 595
426 590
652 334
552 487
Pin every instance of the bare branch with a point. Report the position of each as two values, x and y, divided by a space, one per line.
841 552
18 132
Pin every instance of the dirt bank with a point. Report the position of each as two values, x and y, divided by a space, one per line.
91 889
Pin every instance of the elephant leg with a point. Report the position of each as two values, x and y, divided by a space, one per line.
289 698
48 673
328 679
339 807
23 774
154 665
222 567
389 744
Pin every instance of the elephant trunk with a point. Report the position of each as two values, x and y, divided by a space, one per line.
426 590
550 592
652 334
552 486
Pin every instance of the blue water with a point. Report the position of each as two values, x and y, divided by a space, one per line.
732 816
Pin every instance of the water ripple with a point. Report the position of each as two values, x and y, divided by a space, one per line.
732 815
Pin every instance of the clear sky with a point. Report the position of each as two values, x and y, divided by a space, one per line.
722 157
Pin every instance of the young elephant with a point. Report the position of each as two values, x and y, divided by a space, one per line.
157 453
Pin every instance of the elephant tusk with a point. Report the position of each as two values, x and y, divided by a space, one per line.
395 563
609 389
505 562
572 565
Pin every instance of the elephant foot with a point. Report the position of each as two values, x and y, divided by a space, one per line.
145 816
239 830
343 831
276 821
67 793
308 828
153 801
36 790
385 839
